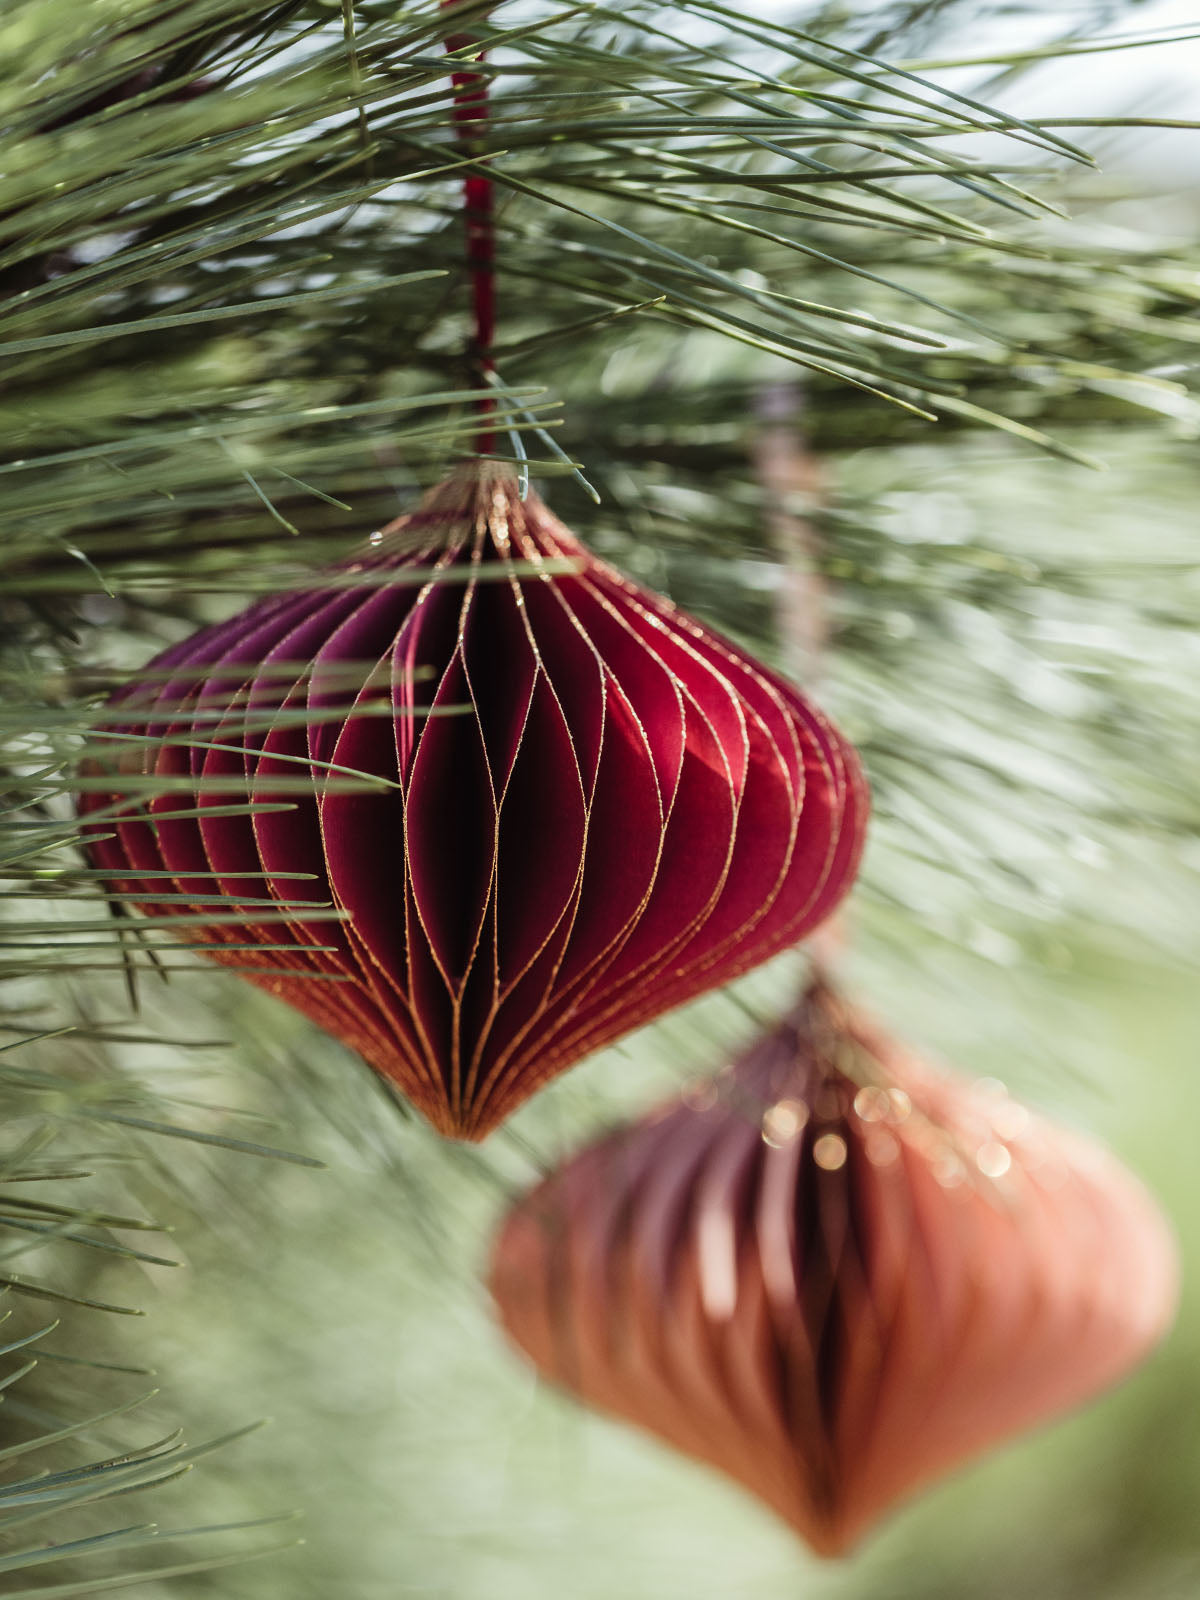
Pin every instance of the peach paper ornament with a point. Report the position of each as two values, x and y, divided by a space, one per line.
587 807
834 1273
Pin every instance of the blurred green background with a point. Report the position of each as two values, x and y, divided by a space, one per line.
347 1304
429 1461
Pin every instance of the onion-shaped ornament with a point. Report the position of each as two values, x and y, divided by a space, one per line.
834 1273
586 808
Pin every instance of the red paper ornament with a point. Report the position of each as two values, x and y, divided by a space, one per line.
596 807
835 1274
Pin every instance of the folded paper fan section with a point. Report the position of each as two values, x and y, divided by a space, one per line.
586 808
835 1274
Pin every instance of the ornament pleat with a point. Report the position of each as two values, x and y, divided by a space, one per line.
586 808
834 1273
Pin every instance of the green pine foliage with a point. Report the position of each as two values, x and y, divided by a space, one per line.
233 324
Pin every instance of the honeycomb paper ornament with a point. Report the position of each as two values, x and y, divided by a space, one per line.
590 808
835 1274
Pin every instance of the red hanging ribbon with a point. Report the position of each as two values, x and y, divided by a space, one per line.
470 115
